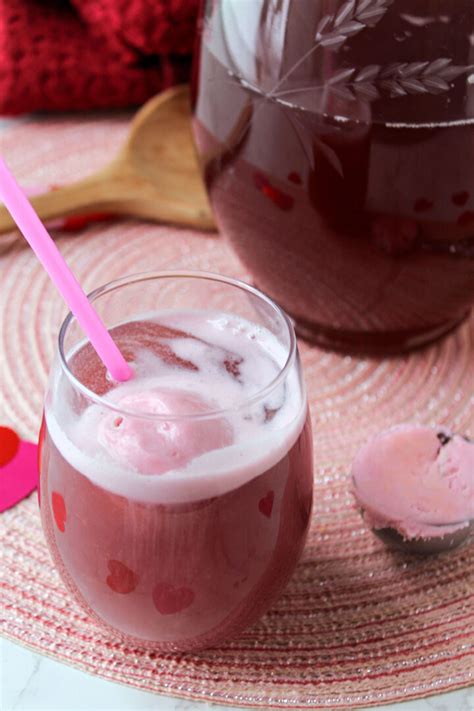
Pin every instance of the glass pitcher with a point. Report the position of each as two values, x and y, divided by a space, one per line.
336 139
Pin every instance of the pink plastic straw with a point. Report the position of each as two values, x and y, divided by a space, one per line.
48 254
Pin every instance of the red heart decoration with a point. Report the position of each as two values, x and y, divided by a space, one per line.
423 205
169 599
265 505
121 579
9 445
295 177
460 198
59 511
18 468
466 219
277 196
74 223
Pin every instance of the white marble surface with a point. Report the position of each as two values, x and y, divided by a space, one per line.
31 682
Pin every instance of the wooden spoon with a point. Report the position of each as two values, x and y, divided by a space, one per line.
155 176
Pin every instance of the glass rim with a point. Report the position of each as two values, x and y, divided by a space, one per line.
177 274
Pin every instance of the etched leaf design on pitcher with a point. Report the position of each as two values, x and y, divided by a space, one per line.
394 80
351 18
373 81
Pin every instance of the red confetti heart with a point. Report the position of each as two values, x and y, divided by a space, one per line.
277 196
121 579
59 511
9 445
18 468
169 599
294 177
423 205
460 198
74 223
466 219
265 505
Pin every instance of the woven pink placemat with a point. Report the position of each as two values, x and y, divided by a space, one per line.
357 625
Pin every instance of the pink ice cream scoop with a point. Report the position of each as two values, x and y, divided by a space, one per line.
167 442
415 485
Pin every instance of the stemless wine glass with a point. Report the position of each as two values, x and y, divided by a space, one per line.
336 139
177 524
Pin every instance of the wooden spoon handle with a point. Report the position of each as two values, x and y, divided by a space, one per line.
113 190
96 193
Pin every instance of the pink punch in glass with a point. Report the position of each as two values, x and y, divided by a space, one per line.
176 505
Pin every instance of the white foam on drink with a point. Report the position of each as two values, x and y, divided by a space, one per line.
258 441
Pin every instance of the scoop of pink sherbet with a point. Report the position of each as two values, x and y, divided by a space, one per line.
158 445
413 478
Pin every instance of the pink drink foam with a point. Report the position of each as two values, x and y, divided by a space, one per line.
414 479
164 457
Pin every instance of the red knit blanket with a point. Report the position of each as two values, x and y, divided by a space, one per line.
85 54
